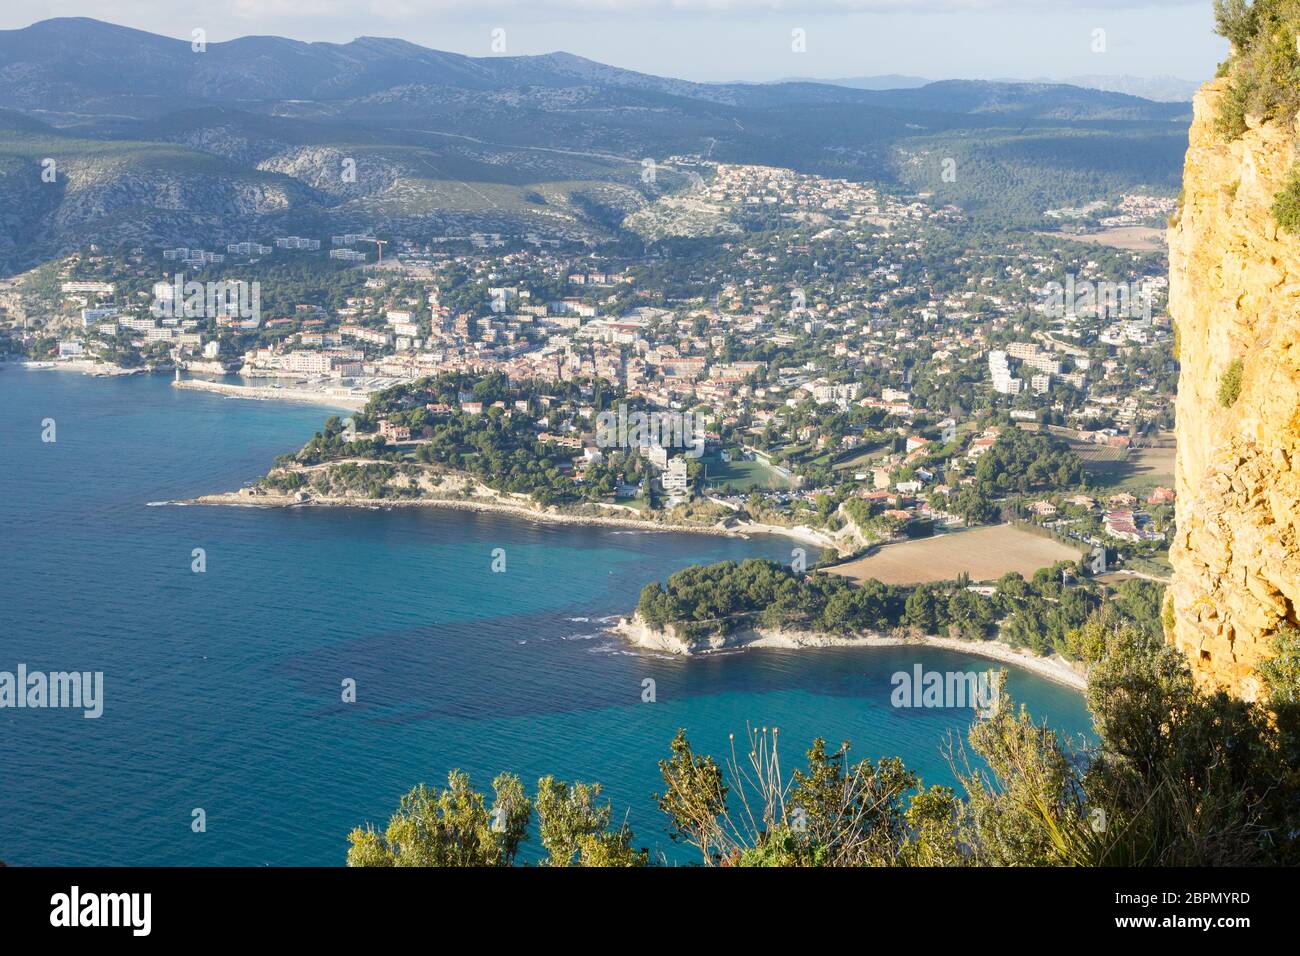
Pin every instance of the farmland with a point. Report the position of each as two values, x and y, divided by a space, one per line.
983 553
1133 238
1139 469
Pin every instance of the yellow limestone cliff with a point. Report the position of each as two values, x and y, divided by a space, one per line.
1234 295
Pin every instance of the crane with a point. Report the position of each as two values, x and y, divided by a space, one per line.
379 246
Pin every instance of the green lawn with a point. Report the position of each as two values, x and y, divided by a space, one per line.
744 475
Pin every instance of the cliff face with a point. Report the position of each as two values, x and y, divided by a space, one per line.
1235 297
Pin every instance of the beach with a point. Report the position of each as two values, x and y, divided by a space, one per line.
338 397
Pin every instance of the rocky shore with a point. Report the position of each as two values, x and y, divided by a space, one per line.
487 503
645 636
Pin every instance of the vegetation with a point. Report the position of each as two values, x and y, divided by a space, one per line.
1043 614
718 598
1178 777
1028 461
455 827
500 448
1286 204
1230 384
1281 672
1264 70
1264 78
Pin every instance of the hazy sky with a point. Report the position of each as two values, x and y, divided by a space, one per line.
727 39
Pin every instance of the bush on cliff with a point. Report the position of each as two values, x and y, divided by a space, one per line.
1286 204
1264 72
1230 384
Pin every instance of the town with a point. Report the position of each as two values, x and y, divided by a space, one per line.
854 356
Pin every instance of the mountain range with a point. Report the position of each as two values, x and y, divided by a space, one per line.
1162 89
157 140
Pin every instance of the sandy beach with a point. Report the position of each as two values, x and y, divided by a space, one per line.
328 399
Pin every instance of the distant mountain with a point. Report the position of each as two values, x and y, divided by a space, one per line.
885 81
1037 100
1162 89
158 144
79 66
1157 89
75 69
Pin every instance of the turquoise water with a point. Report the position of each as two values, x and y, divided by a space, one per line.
222 689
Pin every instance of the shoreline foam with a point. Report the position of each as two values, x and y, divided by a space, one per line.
641 635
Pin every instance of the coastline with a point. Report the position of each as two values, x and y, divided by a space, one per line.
1053 668
484 504
84 366
350 402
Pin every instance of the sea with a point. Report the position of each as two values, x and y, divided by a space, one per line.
228 638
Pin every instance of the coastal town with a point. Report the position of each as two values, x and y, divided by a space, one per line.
649 435
847 357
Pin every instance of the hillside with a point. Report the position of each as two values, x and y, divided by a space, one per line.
160 144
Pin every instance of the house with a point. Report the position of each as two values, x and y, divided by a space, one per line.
393 433
1161 496
1122 524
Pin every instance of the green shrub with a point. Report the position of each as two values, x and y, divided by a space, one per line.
1286 204
1281 670
1230 384
1238 20
1230 120
1264 70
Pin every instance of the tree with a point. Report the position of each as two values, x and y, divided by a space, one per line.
921 610
573 827
694 797
448 827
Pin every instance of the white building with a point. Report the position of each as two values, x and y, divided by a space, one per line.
1003 381
674 478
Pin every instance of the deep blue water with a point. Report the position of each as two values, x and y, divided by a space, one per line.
222 689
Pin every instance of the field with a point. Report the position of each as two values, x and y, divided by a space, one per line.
863 458
744 476
1139 469
984 553
1131 238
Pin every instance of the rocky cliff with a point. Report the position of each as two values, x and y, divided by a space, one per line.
1235 301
